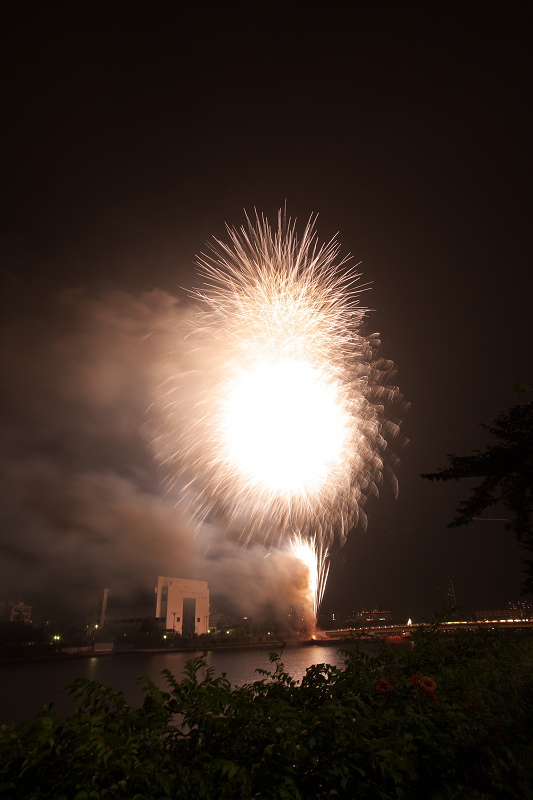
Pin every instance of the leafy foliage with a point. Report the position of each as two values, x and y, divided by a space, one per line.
506 470
434 722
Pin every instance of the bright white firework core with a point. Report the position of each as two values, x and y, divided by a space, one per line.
284 426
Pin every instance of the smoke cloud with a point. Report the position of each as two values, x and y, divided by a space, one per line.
81 499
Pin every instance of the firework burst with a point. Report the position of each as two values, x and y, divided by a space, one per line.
275 422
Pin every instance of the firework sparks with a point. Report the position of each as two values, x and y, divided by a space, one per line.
315 557
276 424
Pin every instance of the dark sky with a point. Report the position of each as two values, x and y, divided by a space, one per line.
132 132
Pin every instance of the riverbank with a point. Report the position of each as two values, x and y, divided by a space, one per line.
189 647
107 649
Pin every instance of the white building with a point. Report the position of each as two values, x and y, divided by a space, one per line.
179 605
182 605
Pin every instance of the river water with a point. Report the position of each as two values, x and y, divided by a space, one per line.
26 686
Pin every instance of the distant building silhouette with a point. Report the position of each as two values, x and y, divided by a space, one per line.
15 611
374 615
447 590
180 605
521 611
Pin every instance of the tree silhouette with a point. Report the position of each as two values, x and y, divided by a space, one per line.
506 471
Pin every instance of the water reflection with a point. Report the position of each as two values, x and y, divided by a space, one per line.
27 686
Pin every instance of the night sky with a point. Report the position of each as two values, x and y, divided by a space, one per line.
132 132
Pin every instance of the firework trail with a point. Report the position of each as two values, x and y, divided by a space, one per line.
274 421
315 557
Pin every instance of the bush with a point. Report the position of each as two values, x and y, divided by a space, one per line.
436 722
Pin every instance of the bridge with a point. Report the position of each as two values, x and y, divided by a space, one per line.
446 627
